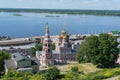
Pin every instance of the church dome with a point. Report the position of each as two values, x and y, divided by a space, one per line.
65 37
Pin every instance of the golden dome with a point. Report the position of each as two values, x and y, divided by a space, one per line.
65 37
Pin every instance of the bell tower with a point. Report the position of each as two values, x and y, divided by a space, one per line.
47 50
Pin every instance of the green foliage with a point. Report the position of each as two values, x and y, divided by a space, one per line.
88 49
52 73
18 74
13 75
38 47
32 51
38 76
53 46
98 75
101 50
103 74
3 56
75 69
71 76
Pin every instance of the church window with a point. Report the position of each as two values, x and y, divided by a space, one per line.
48 50
48 45
45 45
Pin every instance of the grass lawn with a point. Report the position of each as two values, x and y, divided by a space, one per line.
91 72
85 67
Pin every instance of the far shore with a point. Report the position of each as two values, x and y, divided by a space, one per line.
64 11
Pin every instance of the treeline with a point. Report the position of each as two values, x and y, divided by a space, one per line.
65 11
100 50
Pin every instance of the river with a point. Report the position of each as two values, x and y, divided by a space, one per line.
33 24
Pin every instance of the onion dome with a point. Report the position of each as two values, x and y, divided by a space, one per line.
65 37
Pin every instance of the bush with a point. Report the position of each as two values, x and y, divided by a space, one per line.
71 76
75 69
52 73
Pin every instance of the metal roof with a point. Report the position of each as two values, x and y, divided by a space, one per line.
17 57
116 32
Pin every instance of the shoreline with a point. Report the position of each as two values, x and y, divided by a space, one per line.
64 11
35 39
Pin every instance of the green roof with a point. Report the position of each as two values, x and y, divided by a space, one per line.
115 32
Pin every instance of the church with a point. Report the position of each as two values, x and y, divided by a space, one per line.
61 54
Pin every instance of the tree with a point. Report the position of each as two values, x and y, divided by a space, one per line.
53 46
10 73
38 47
32 51
13 75
107 50
3 56
84 51
52 73
101 50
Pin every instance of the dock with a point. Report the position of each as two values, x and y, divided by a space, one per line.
34 39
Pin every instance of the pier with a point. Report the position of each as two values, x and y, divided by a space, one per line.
29 40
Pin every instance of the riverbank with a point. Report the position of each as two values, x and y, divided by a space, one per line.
35 39
64 11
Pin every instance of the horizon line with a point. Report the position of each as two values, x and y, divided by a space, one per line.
63 9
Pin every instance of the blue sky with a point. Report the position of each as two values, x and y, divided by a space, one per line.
62 4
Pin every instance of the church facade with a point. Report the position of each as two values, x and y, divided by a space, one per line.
61 54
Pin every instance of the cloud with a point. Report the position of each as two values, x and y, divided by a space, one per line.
61 4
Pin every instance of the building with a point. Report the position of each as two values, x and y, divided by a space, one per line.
21 63
45 56
61 54
114 33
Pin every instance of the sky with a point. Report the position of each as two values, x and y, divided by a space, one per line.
62 4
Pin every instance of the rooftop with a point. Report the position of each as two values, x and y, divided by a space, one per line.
10 64
17 56
116 32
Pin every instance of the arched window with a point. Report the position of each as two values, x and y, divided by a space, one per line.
48 45
45 45
48 50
